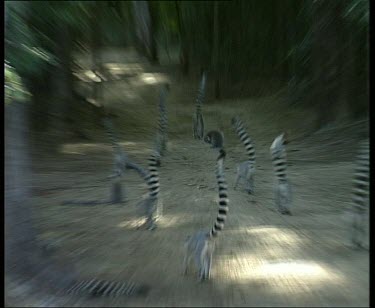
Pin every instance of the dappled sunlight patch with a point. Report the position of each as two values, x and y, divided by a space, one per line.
164 221
153 78
283 275
93 102
87 76
267 234
122 69
132 224
148 78
167 221
81 148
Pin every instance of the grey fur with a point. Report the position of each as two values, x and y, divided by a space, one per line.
283 193
200 246
245 172
283 197
151 208
360 224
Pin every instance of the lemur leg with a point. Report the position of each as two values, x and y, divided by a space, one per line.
187 258
358 230
208 261
238 177
151 220
250 182
283 198
117 193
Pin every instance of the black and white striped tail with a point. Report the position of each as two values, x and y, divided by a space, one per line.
153 176
278 154
201 93
360 196
245 139
361 179
163 118
223 197
97 287
163 121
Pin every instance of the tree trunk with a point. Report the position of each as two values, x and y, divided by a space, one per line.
154 57
325 53
143 20
24 260
215 51
184 51
63 84
96 59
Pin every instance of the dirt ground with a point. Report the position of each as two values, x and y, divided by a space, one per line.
262 258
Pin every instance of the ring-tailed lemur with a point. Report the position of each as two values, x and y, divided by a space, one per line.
152 206
121 162
201 245
162 135
198 123
97 287
360 197
283 194
245 170
215 138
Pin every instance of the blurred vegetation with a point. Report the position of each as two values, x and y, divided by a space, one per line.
315 51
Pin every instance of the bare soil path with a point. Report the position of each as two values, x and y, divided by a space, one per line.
262 258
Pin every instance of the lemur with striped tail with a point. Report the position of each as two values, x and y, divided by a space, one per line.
162 134
201 245
151 207
245 170
121 162
283 194
198 123
360 197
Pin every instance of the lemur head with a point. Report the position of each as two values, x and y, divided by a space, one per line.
207 139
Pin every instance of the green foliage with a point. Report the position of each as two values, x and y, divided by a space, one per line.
14 88
265 40
357 11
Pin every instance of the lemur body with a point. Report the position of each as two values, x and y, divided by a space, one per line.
201 245
245 170
215 138
121 162
198 122
360 198
283 194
